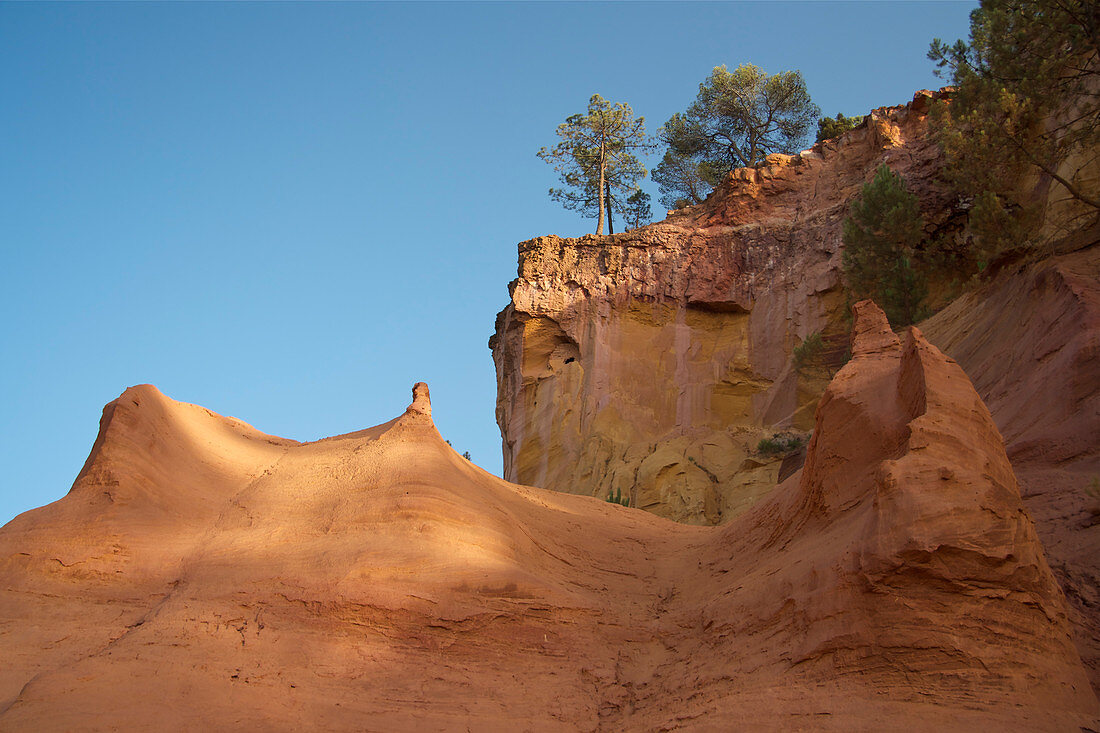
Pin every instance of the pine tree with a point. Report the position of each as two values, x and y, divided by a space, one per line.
882 237
737 119
637 212
1027 100
596 157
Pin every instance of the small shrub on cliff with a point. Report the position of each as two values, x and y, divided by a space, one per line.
808 351
882 239
828 127
617 497
465 454
1092 491
779 443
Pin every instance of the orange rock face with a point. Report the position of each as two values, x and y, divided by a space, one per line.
203 575
1030 340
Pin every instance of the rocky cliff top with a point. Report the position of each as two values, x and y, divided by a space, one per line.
761 226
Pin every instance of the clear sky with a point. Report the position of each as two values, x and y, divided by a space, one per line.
290 213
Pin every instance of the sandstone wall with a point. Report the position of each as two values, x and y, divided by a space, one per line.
652 362
1030 340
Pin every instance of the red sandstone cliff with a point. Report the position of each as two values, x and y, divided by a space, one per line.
1030 340
203 575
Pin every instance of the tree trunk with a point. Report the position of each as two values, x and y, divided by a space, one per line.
599 191
610 226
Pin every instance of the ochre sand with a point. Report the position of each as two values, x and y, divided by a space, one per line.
203 575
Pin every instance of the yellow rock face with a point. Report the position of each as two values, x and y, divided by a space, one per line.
602 418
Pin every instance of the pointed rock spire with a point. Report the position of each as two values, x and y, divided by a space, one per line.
422 401
871 332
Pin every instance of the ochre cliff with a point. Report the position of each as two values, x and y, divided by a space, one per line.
203 575
1030 340
651 363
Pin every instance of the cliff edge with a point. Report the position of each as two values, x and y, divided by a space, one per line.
652 363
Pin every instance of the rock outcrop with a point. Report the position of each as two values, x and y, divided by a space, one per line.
203 575
652 363
1030 340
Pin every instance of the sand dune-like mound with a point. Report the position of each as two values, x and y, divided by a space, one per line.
201 574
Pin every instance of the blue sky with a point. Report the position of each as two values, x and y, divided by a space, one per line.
290 213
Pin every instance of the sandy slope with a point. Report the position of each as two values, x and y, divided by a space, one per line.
1030 340
201 574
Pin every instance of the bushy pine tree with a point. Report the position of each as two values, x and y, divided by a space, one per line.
882 237
1027 100
737 119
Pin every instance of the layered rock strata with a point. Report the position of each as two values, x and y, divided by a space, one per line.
650 364
203 575
1030 340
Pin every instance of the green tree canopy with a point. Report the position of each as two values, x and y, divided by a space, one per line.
829 127
1027 99
737 118
637 213
686 179
881 241
596 157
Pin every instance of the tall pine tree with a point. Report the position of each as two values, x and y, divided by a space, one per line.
595 157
